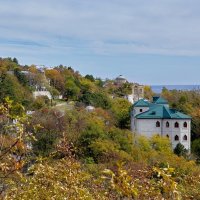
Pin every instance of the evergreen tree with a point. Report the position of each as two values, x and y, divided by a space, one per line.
180 150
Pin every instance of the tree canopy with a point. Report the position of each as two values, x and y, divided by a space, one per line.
64 151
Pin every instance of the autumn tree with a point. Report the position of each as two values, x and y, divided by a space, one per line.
56 79
96 99
148 93
72 91
11 87
14 140
121 110
90 77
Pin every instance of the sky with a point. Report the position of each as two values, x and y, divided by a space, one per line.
148 41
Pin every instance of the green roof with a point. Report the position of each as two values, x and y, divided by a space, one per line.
162 112
158 110
155 98
141 103
159 100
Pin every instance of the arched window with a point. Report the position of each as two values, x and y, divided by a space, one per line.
176 125
185 124
167 136
157 124
167 124
185 137
176 138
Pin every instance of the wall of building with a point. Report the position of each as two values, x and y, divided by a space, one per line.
136 111
148 128
42 93
130 98
181 131
139 110
137 92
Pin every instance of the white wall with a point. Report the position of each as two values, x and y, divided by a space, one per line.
42 93
148 128
130 98
137 110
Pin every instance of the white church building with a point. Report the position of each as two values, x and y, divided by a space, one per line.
150 118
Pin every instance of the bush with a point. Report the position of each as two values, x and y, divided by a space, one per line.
121 111
180 150
161 144
89 136
123 138
45 143
41 102
96 99
196 147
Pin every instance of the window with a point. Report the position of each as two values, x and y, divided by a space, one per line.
185 124
185 137
167 124
157 124
176 138
141 110
176 125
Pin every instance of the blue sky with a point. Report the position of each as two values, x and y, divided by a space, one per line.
150 42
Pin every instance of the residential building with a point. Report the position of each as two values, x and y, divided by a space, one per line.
150 118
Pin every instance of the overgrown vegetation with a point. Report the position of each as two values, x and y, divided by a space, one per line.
67 152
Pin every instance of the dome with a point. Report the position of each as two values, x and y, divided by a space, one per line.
120 77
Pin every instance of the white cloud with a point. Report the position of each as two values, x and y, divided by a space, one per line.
168 27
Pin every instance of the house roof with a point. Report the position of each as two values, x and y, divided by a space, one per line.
155 98
159 100
120 77
159 109
141 103
162 112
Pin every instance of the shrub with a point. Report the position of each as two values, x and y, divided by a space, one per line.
180 150
96 99
196 147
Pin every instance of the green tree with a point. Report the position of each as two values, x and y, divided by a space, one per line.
148 93
21 77
99 82
90 77
14 140
180 150
40 102
96 99
196 147
15 61
57 179
72 91
121 110
45 143
54 92
161 144
92 133
11 87
123 90
121 182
